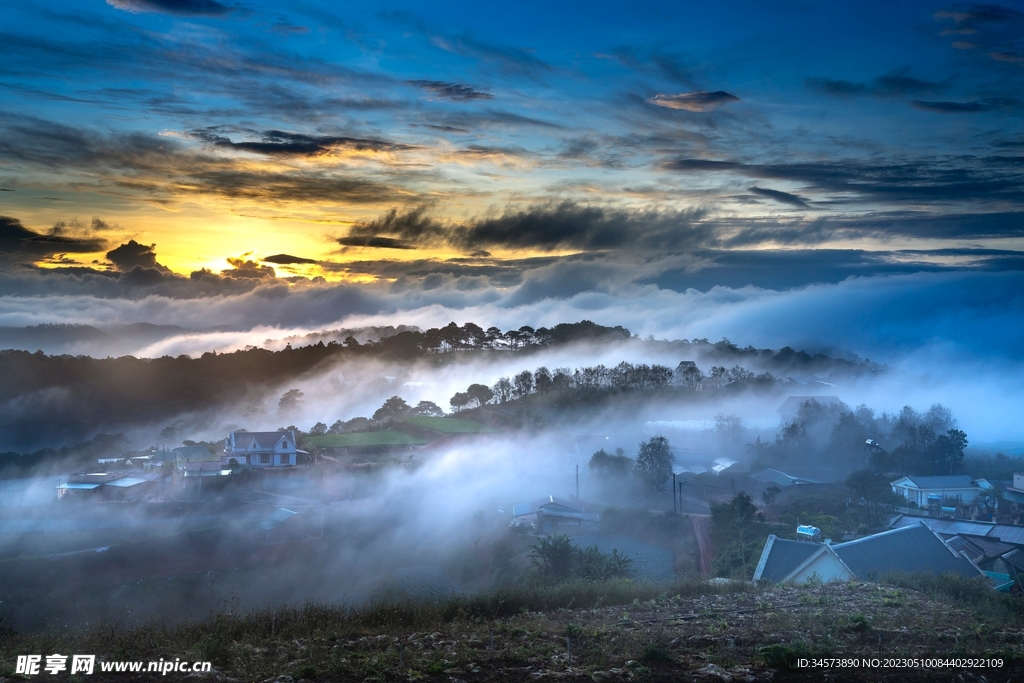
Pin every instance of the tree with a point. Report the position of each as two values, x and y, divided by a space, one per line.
542 380
523 384
393 408
654 461
290 400
460 400
605 464
874 496
428 408
553 556
770 494
318 429
503 389
481 393
738 532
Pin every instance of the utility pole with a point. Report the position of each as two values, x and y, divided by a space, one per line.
674 510
577 482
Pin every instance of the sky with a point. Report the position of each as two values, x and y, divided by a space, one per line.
846 174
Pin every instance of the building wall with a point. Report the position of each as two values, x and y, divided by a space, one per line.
920 496
827 568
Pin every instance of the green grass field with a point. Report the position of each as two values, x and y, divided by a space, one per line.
448 425
386 437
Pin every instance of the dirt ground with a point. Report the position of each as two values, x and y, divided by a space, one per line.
738 637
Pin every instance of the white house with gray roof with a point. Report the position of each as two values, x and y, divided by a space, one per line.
261 449
959 487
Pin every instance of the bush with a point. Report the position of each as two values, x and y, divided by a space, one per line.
974 594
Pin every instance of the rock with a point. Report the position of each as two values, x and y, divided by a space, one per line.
716 671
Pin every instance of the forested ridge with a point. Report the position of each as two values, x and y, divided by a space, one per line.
66 398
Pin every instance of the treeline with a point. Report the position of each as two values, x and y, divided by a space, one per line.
597 381
909 442
54 399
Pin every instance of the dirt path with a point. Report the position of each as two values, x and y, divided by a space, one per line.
701 529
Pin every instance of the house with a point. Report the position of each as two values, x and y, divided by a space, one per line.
553 515
923 491
114 485
1014 493
261 449
186 455
785 561
915 548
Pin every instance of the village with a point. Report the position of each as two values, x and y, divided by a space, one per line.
284 491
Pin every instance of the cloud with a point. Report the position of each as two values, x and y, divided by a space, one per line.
374 242
934 179
162 169
276 142
893 84
987 104
510 61
243 268
1011 57
781 197
697 101
132 254
184 8
17 241
287 259
971 13
544 227
453 91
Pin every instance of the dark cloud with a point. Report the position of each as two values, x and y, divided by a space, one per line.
375 242
931 179
276 142
132 255
18 241
161 169
892 84
544 227
444 129
184 8
970 13
286 259
830 86
1011 57
697 101
781 197
248 269
987 104
453 91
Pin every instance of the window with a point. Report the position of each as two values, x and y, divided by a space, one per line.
265 458
286 459
284 444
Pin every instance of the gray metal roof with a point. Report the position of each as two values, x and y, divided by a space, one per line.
910 549
265 440
965 547
1007 533
78 486
953 481
1016 558
992 547
196 454
126 482
783 556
